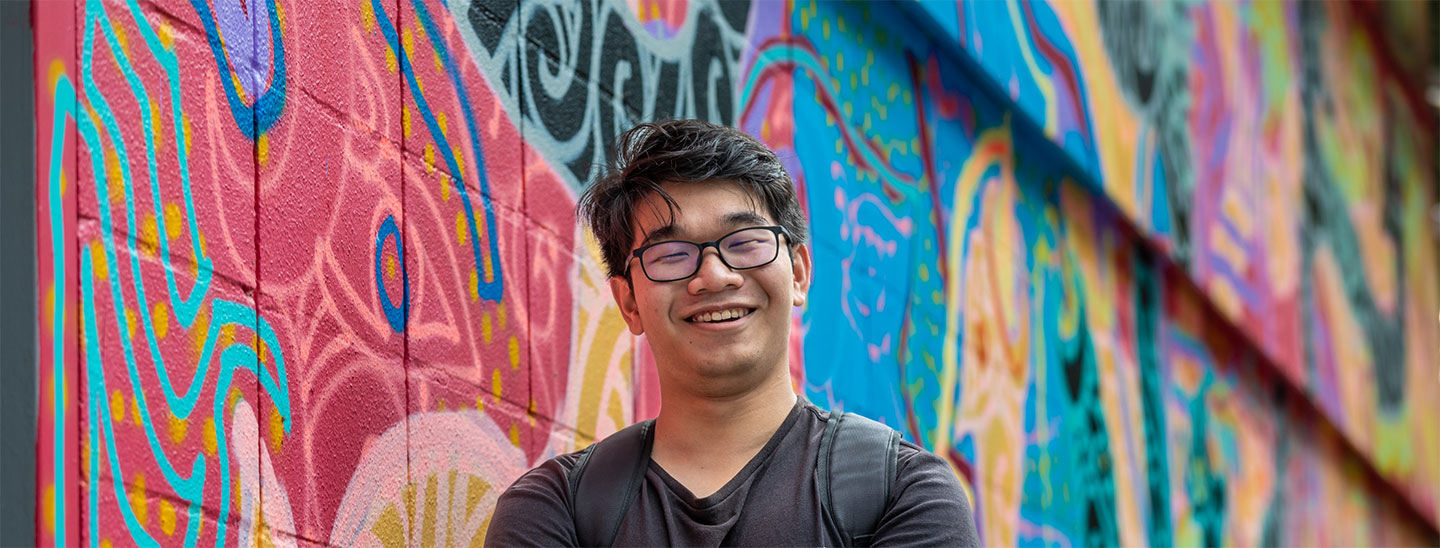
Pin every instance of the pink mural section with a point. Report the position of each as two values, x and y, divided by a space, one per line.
298 265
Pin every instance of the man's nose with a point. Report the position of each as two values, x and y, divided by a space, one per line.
713 274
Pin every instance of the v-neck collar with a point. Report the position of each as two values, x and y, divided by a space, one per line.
740 477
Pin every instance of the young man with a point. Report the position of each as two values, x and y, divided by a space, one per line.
704 242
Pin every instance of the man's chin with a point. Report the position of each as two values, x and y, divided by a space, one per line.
723 367
723 364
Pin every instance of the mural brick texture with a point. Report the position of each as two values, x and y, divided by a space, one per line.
1143 273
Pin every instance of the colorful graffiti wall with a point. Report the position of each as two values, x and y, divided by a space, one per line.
1143 273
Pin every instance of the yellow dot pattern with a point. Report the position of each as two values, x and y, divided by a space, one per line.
367 16
139 503
208 436
262 149
486 331
277 430
178 429
174 221
117 406
167 517
47 506
149 234
160 319
97 261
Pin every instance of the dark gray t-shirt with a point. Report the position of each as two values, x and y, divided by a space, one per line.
772 501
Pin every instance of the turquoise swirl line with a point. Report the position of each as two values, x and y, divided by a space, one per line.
492 291
64 105
224 312
187 308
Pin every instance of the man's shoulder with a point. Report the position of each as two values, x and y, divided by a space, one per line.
914 459
554 472
535 509
911 460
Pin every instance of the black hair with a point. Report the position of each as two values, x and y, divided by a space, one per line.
653 154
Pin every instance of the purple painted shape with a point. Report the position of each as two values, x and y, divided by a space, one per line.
245 31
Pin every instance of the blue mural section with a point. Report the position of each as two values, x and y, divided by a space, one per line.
1023 50
981 293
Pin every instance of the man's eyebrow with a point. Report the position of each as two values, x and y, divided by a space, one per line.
733 220
663 233
746 218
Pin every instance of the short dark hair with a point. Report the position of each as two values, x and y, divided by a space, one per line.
682 151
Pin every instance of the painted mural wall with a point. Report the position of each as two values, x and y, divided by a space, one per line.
1144 274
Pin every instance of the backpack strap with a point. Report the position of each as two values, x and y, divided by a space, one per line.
606 480
851 491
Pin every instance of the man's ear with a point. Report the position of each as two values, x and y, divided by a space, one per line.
802 268
625 298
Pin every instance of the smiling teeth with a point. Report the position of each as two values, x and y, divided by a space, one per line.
720 315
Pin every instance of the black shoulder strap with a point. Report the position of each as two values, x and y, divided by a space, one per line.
850 489
606 480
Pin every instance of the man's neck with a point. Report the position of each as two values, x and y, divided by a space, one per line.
706 422
716 436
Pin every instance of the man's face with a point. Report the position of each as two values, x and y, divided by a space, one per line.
713 356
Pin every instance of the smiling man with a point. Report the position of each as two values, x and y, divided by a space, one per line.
704 242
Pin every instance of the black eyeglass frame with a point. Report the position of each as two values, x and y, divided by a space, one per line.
700 255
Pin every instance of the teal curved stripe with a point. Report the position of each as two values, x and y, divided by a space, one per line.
95 389
492 291
64 105
224 313
95 11
234 356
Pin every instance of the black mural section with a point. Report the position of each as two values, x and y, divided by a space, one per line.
582 72
1148 47
1326 221
1093 476
1147 330
1272 533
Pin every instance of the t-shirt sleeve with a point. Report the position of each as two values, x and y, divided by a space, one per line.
535 510
929 507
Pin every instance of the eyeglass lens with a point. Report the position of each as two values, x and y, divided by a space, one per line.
749 248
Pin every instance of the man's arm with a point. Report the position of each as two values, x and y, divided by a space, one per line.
535 510
929 508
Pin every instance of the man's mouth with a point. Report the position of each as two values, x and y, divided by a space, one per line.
720 316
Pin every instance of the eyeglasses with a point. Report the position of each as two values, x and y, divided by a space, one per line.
742 249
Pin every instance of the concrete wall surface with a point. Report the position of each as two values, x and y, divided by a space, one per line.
1143 273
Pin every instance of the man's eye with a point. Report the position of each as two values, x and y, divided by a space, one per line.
670 258
743 244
